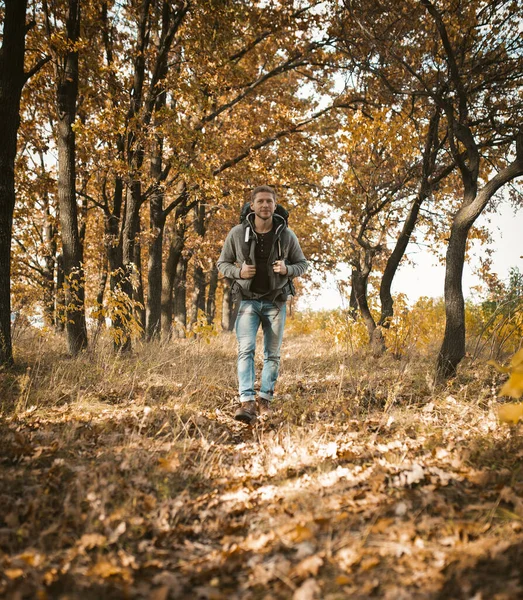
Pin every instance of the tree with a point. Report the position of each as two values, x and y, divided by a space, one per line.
466 61
13 77
65 54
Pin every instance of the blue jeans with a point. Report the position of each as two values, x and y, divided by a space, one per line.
272 318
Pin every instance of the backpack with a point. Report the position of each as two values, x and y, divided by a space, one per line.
247 210
288 289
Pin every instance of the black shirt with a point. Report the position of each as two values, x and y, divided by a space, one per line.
260 283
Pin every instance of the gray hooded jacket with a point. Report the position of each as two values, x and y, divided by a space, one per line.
237 248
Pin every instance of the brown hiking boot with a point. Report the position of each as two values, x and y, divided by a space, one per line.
246 413
265 407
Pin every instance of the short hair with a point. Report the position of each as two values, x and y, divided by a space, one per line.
263 188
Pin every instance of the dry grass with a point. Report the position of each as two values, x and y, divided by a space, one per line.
125 476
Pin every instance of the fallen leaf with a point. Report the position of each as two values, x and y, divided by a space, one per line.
208 593
273 568
509 495
347 557
119 531
510 413
301 533
91 540
381 525
308 566
161 593
309 590
105 569
170 463
514 386
13 573
369 563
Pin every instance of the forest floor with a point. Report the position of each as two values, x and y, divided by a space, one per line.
127 477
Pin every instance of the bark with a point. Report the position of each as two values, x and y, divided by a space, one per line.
376 340
228 313
393 262
210 309
100 295
130 231
138 283
353 302
59 307
453 346
180 298
49 261
154 270
67 93
145 102
12 79
100 317
198 297
113 221
157 213
176 246
430 154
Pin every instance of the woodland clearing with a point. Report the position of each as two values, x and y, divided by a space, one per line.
126 477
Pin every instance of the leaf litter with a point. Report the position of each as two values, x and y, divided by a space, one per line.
173 499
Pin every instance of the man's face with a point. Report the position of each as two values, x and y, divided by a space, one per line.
264 205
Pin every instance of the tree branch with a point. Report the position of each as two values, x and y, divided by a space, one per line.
34 70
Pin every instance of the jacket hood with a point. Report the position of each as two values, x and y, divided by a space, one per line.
278 221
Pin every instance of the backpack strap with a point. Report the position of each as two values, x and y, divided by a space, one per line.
246 246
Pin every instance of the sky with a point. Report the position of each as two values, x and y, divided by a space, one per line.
427 276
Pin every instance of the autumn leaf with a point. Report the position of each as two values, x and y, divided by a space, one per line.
105 569
514 386
14 573
308 566
510 413
309 590
170 463
301 533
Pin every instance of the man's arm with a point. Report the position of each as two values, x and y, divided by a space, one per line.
227 262
297 262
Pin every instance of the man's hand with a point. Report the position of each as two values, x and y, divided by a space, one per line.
247 271
279 266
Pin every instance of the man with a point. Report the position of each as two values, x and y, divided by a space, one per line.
260 256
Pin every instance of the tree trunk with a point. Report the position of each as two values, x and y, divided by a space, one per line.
156 213
169 276
12 79
430 154
387 304
228 316
129 272
198 297
376 340
100 295
100 316
67 92
180 298
353 302
453 346
48 268
59 306
210 309
154 270
140 313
